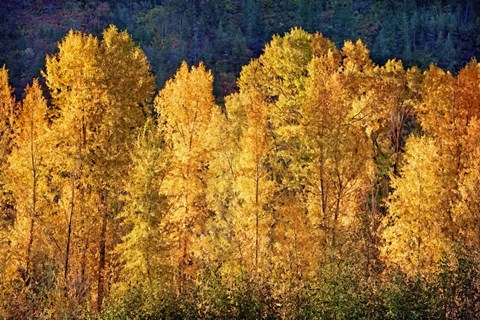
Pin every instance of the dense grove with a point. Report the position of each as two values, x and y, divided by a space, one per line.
326 187
226 34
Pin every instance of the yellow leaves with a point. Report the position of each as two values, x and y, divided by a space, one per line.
281 70
467 208
414 79
288 179
27 181
356 57
288 56
325 48
187 108
27 161
8 111
124 66
190 124
100 89
468 92
249 219
87 74
417 231
314 154
339 166
255 145
74 66
33 116
438 109
7 99
187 105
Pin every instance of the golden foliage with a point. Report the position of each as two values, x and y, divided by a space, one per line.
309 168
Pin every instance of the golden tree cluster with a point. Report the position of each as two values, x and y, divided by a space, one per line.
322 159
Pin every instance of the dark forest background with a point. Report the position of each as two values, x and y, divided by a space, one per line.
226 34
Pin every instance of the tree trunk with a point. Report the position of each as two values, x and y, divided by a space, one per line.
69 232
102 254
29 252
34 203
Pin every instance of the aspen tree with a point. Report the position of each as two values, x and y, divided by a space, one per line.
340 167
433 197
33 244
253 185
70 75
144 249
27 173
467 206
187 110
8 107
416 233
101 89
8 111
128 87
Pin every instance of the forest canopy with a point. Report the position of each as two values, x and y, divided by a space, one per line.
327 184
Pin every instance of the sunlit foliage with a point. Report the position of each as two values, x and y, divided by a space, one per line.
326 187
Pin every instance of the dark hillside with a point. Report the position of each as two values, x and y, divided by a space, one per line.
226 34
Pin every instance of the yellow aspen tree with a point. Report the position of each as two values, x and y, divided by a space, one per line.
8 111
320 114
443 117
128 88
447 113
467 207
467 95
101 89
230 244
281 75
70 76
188 114
439 114
421 216
27 172
278 76
222 248
253 185
384 108
31 242
341 157
416 236
144 249
8 108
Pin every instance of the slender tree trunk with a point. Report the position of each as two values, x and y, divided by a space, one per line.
184 246
74 176
188 222
335 220
83 280
323 192
69 231
184 264
34 201
29 252
102 254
